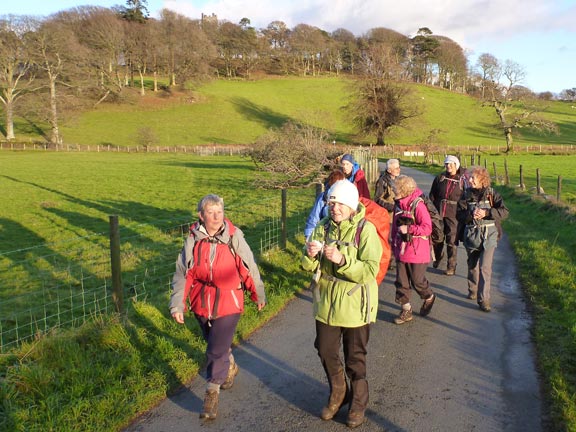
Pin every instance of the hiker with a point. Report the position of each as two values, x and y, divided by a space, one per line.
411 230
445 192
480 212
384 188
345 298
212 271
355 174
320 209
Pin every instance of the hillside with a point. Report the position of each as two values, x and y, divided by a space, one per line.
237 112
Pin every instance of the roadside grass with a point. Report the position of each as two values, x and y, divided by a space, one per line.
102 374
543 238
238 112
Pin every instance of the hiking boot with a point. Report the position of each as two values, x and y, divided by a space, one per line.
472 296
404 316
338 393
355 418
484 306
450 272
210 407
435 264
427 305
232 372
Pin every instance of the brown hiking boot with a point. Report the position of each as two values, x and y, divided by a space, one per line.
450 272
484 306
337 398
472 296
210 407
427 305
404 316
355 418
232 372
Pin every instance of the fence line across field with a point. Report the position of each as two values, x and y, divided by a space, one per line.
51 286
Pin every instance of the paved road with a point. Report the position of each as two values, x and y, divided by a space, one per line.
459 369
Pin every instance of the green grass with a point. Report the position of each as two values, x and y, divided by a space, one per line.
543 238
238 112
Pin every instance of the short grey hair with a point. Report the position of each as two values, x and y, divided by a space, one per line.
210 200
392 163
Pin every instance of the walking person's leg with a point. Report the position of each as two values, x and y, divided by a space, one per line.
355 343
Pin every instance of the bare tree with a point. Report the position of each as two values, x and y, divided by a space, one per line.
490 71
452 64
307 43
292 156
515 114
16 67
379 105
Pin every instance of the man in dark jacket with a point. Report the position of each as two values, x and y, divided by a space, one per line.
384 194
445 192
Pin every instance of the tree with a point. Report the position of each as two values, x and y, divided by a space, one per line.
380 105
16 67
424 51
384 53
568 94
515 114
452 64
490 71
134 11
292 156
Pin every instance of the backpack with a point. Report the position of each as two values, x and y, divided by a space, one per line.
437 235
380 218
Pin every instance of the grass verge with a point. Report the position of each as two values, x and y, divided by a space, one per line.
543 238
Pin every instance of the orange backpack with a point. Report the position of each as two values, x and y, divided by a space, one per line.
381 219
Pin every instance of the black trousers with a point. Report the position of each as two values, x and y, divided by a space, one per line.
450 235
354 342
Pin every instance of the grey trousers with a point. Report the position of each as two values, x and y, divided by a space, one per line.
480 273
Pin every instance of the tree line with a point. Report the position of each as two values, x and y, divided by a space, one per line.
75 59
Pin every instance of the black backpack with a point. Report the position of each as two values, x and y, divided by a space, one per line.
437 236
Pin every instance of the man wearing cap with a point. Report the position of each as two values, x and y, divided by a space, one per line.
355 174
345 297
446 190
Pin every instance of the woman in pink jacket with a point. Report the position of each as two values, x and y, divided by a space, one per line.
411 229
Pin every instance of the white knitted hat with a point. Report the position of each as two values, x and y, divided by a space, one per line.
344 192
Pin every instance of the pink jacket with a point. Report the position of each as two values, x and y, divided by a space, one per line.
417 249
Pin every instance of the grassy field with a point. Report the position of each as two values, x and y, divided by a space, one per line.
99 376
238 112
544 242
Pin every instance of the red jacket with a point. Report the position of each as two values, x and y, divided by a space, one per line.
215 283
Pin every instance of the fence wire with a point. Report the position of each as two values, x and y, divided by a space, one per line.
62 285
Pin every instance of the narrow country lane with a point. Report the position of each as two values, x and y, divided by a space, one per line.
457 370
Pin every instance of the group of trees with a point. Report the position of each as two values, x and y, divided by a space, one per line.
86 55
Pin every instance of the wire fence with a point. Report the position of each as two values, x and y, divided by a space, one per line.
62 285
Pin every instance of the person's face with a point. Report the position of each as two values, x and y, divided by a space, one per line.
451 168
213 218
346 167
339 212
394 170
475 181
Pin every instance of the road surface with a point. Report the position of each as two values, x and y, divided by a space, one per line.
459 369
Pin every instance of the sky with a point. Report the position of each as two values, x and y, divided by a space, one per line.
539 35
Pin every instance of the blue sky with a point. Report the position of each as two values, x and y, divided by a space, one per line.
540 35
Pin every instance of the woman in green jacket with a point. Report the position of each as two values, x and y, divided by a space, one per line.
345 297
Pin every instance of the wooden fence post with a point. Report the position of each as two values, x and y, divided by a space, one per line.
506 176
559 189
522 185
495 173
283 224
115 265
538 187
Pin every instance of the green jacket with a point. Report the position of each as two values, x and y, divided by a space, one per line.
346 296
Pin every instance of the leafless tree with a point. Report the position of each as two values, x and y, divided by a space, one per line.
490 71
292 156
515 114
16 67
452 64
380 105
